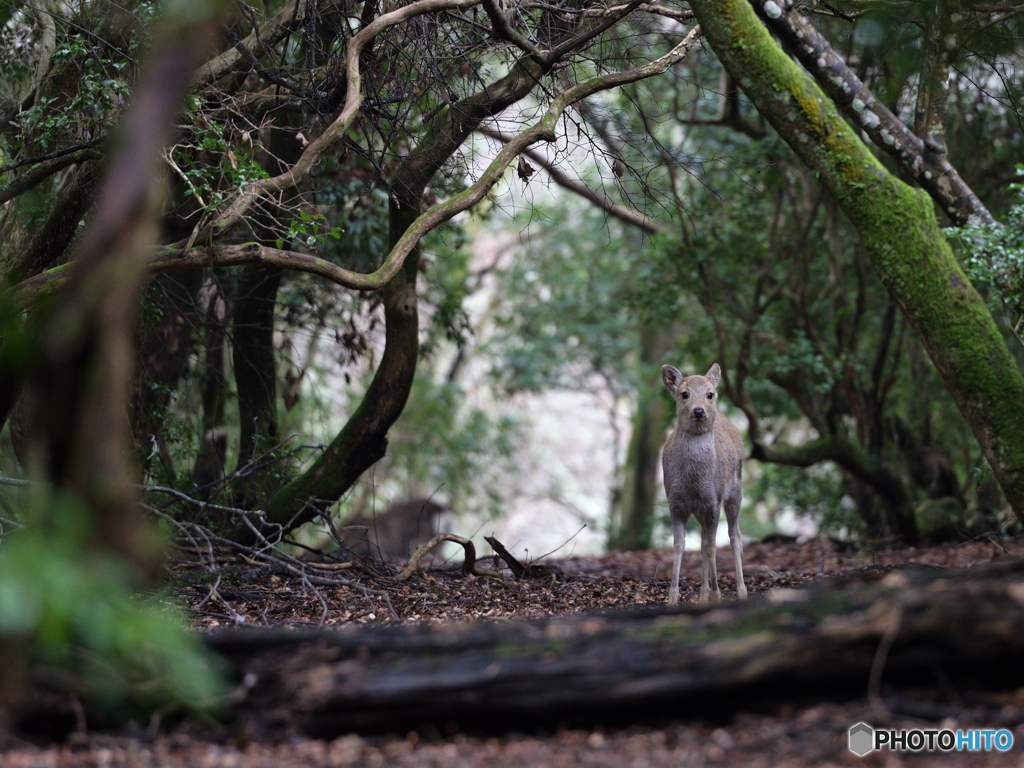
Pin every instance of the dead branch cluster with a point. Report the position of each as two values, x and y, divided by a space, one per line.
197 545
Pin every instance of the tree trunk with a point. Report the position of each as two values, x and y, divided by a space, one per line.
626 666
164 350
899 229
252 341
363 440
255 368
640 481
85 355
56 233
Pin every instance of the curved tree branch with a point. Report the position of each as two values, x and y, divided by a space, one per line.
858 463
259 42
503 30
468 565
174 258
44 170
336 130
543 129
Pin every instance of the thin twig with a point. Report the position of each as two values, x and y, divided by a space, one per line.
881 656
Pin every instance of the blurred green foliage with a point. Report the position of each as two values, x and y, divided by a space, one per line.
566 314
75 614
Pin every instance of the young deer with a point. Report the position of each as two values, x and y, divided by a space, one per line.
703 466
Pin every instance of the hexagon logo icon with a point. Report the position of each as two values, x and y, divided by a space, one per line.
862 739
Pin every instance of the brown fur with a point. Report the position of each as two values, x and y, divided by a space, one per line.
394 533
703 466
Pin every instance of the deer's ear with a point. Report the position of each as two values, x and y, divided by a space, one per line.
672 378
714 375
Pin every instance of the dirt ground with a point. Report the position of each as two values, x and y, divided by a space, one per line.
797 735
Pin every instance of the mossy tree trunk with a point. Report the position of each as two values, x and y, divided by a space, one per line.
899 228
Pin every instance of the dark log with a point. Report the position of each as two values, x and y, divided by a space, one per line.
639 664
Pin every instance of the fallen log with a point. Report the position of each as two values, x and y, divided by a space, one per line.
822 642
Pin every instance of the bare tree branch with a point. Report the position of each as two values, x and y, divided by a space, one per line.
542 129
627 215
503 30
45 169
57 153
169 259
582 39
256 44
468 565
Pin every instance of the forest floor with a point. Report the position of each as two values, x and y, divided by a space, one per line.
797 734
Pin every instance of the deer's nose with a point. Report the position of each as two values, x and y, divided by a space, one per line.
698 413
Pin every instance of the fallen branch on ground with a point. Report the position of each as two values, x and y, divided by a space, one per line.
517 568
468 565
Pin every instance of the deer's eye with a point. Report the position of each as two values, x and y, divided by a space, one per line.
711 395
685 395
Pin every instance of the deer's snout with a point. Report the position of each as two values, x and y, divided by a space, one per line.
698 413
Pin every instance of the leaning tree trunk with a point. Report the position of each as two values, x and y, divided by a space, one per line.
621 667
363 440
899 228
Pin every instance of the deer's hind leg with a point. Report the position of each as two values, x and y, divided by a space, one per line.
732 517
709 590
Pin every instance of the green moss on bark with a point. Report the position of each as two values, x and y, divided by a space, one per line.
899 229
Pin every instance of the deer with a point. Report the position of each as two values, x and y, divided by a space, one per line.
703 468
397 531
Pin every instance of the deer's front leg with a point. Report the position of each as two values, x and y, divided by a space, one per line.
678 543
707 557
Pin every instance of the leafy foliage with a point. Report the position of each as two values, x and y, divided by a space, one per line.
566 321
994 256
